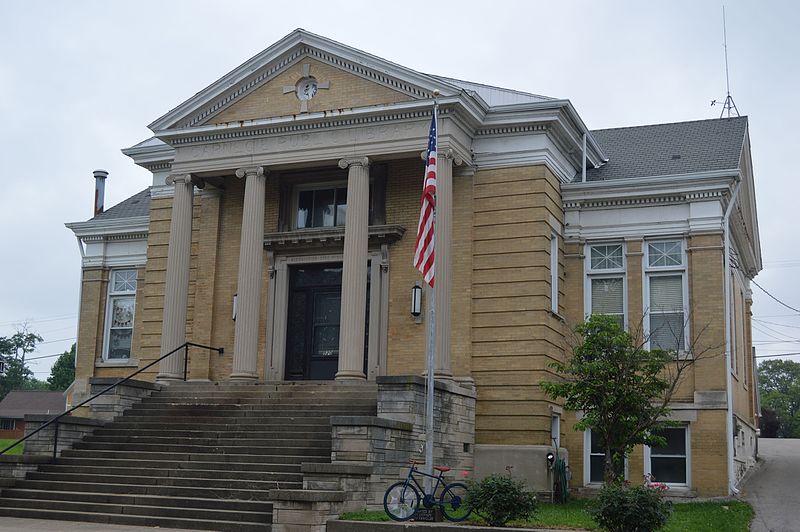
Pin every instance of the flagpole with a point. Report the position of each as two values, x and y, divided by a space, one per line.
431 349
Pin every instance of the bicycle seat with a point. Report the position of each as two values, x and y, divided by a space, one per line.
443 469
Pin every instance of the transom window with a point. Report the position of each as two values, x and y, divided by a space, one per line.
606 257
666 310
120 314
669 464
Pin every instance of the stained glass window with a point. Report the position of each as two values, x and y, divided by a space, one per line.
121 311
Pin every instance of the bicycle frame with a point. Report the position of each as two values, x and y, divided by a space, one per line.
439 481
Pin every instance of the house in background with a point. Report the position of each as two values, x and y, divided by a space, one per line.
280 225
17 403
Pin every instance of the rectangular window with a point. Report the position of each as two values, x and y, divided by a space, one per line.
669 464
8 424
120 313
322 207
597 457
554 273
666 305
606 281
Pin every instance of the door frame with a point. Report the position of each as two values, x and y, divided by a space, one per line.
278 307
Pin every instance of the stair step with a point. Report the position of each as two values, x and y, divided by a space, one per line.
135 509
135 520
219 449
172 472
141 480
92 460
319 431
187 457
140 489
213 503
319 440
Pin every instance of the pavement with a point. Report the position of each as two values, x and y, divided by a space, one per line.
774 489
15 524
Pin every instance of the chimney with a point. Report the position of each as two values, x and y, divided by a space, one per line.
99 190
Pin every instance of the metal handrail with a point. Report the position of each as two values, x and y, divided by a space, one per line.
55 420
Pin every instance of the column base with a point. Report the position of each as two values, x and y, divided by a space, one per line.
442 376
243 377
350 375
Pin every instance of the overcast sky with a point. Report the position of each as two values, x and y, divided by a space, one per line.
80 80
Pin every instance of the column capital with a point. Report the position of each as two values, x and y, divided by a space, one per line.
448 154
347 162
251 171
179 178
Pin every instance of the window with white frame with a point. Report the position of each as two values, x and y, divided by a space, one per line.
554 273
666 295
670 464
120 313
606 281
595 457
555 430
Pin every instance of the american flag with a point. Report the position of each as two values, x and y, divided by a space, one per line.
423 251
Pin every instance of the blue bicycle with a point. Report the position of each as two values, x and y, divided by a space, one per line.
402 500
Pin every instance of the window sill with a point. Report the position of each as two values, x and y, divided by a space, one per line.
125 363
558 316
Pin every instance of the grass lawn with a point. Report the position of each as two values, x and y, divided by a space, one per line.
5 442
731 516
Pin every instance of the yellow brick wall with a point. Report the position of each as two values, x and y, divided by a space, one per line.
346 91
514 334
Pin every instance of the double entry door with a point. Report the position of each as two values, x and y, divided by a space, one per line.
313 317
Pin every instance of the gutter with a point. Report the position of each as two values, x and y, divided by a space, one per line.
728 355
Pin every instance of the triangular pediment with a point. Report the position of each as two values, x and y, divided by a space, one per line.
271 84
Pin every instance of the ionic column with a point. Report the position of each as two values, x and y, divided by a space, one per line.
176 292
251 256
354 271
443 286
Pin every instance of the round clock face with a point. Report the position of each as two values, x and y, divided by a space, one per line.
306 88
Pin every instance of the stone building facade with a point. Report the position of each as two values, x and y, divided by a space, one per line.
280 225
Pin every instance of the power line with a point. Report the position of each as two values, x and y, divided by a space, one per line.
776 323
42 320
780 355
758 328
773 297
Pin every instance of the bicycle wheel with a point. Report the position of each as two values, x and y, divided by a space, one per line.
454 503
401 501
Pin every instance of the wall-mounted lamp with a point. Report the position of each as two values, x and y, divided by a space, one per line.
416 300
235 305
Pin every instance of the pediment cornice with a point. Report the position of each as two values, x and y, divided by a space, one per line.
283 54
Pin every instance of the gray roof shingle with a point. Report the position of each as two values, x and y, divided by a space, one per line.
18 403
669 149
136 205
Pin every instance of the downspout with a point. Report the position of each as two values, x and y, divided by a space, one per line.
583 161
728 355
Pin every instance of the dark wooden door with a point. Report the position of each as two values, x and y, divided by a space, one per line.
312 332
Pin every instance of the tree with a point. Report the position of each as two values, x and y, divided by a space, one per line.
13 350
779 385
63 371
622 389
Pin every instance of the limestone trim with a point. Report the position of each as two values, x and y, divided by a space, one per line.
354 270
278 304
303 239
251 259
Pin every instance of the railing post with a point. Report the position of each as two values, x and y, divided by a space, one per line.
185 361
55 442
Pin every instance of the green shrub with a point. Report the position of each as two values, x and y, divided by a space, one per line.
501 498
621 508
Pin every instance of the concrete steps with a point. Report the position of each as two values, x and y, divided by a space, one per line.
201 456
